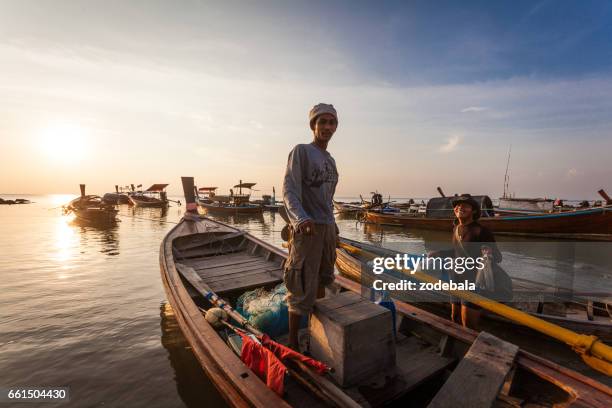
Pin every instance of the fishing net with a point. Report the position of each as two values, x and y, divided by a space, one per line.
266 310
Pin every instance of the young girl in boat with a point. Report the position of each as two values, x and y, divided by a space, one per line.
470 239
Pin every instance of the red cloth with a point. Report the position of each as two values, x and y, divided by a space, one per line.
283 353
263 363
265 360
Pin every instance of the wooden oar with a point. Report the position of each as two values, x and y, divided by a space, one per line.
593 351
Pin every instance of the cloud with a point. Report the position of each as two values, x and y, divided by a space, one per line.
451 144
474 109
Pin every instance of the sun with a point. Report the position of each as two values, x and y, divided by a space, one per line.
65 142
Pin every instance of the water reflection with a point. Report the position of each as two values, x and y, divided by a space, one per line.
192 384
64 240
149 213
94 234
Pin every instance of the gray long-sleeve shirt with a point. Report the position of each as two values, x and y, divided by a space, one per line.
310 184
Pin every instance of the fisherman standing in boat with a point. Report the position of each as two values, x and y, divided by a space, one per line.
470 239
308 190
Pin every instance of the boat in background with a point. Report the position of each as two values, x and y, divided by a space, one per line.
118 197
206 194
376 203
345 208
268 202
91 208
239 203
15 201
205 263
154 196
588 224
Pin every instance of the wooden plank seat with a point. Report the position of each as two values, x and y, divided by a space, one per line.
477 380
266 275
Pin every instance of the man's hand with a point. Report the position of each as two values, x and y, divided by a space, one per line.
306 228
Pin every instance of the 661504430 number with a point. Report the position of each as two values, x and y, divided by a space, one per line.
34 394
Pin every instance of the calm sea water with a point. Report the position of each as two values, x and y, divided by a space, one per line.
84 307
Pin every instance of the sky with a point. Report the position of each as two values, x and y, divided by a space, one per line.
428 94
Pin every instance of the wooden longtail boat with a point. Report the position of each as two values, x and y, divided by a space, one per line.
581 315
592 223
91 209
342 207
437 360
218 208
116 197
154 197
268 202
239 203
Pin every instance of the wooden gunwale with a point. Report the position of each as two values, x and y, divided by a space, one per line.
211 350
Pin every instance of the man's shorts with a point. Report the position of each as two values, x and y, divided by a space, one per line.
310 264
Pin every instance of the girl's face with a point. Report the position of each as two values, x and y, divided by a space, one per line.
463 211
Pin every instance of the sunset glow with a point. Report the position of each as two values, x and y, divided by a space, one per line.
63 142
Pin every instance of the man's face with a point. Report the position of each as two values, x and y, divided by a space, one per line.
325 126
463 211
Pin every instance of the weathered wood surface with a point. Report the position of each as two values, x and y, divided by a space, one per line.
478 378
354 336
417 366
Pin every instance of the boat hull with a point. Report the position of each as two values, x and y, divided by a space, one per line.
96 215
347 208
241 388
591 221
217 209
152 203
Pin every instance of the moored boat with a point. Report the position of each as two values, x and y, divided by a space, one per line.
268 202
436 361
344 208
220 208
211 203
91 208
591 223
117 197
154 196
